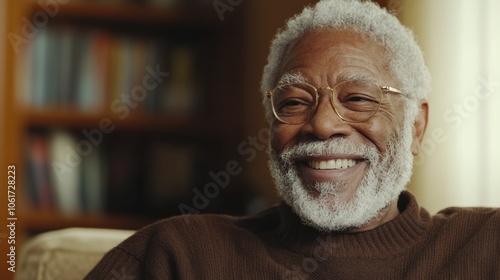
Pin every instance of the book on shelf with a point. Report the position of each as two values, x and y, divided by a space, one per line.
40 192
89 85
93 182
65 171
38 96
180 92
126 168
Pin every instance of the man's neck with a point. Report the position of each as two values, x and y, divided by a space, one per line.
386 215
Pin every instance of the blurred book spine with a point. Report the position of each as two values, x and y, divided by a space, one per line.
179 94
94 174
40 192
65 171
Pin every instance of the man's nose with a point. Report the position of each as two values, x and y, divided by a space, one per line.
326 123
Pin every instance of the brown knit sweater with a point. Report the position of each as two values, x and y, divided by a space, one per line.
457 243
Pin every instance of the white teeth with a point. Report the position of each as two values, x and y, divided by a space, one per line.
323 164
331 164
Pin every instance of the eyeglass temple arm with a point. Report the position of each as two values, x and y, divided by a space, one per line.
394 90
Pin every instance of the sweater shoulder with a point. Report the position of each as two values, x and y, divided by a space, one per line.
469 213
469 218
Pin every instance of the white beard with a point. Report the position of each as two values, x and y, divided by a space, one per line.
385 178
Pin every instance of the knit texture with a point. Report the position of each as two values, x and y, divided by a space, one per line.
456 243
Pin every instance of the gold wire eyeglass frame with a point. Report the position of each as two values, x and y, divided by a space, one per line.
383 88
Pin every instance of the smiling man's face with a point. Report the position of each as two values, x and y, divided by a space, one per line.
335 174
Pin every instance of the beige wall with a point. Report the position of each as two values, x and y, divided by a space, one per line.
460 167
410 15
433 170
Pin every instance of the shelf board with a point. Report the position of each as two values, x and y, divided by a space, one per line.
50 220
136 13
76 119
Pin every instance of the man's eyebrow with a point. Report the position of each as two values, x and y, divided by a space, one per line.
354 77
297 77
292 77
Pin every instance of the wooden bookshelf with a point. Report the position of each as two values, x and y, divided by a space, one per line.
140 122
215 127
139 14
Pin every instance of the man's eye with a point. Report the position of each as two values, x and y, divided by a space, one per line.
360 102
293 102
291 106
359 98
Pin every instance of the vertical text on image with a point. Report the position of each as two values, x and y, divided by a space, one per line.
11 218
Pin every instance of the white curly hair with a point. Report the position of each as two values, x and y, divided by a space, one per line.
405 59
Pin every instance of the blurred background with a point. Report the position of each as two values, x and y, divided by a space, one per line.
117 113
460 154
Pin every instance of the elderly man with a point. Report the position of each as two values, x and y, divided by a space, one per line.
345 90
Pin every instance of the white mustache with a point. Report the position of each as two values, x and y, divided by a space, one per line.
333 146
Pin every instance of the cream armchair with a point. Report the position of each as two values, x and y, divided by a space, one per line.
66 254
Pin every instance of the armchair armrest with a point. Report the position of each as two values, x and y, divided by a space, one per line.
66 254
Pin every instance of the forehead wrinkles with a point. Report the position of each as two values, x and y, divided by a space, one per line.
341 62
354 63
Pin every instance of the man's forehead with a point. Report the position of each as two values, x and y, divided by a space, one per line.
338 36
343 54
339 54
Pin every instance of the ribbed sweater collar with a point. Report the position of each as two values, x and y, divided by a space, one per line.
387 239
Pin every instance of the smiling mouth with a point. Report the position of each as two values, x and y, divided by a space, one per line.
332 164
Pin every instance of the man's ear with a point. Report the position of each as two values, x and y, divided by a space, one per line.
419 128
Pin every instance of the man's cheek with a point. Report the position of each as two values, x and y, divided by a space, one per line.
378 134
283 136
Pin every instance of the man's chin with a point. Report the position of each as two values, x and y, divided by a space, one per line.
334 206
316 218
325 211
334 194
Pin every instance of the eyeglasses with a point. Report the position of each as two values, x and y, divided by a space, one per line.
354 101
